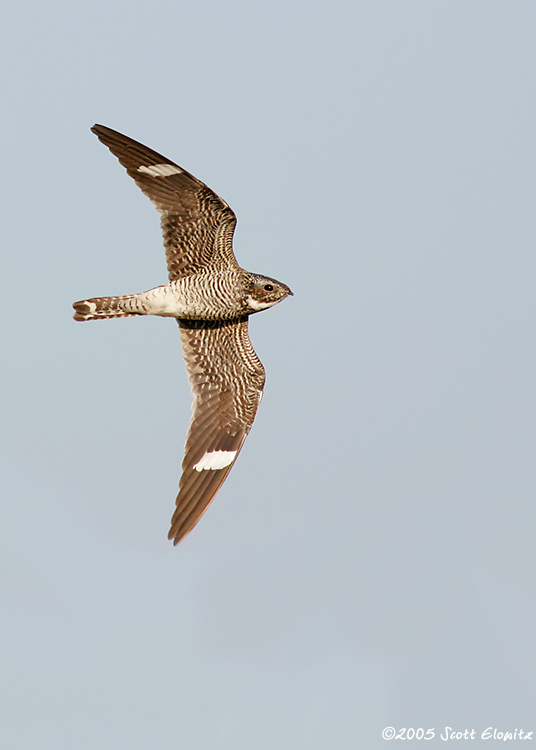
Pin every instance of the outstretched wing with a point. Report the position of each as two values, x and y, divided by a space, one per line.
197 224
227 380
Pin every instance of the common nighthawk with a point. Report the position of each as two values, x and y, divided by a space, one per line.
211 297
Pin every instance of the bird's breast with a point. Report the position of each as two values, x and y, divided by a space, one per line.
202 296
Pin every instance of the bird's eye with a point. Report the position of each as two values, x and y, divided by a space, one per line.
269 287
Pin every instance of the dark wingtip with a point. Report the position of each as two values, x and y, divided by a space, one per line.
102 130
175 537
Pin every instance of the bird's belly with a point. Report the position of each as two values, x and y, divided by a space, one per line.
186 298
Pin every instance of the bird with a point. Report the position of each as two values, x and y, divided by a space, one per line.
211 297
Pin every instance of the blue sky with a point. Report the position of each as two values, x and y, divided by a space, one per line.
370 560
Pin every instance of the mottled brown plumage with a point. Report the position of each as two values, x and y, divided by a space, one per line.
212 298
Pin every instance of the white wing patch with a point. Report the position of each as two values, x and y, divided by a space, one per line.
215 460
160 170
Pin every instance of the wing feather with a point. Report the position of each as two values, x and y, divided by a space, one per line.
197 224
227 379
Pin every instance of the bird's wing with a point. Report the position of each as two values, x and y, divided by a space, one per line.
227 380
197 224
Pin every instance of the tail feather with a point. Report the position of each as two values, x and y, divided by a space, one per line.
103 307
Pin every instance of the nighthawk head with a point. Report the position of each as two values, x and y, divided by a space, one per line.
263 292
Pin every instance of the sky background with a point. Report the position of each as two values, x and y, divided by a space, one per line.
370 561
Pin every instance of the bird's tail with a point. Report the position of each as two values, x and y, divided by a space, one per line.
106 307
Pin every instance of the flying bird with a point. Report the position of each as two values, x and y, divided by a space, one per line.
211 297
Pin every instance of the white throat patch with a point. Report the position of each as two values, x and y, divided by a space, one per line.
160 170
256 305
215 460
